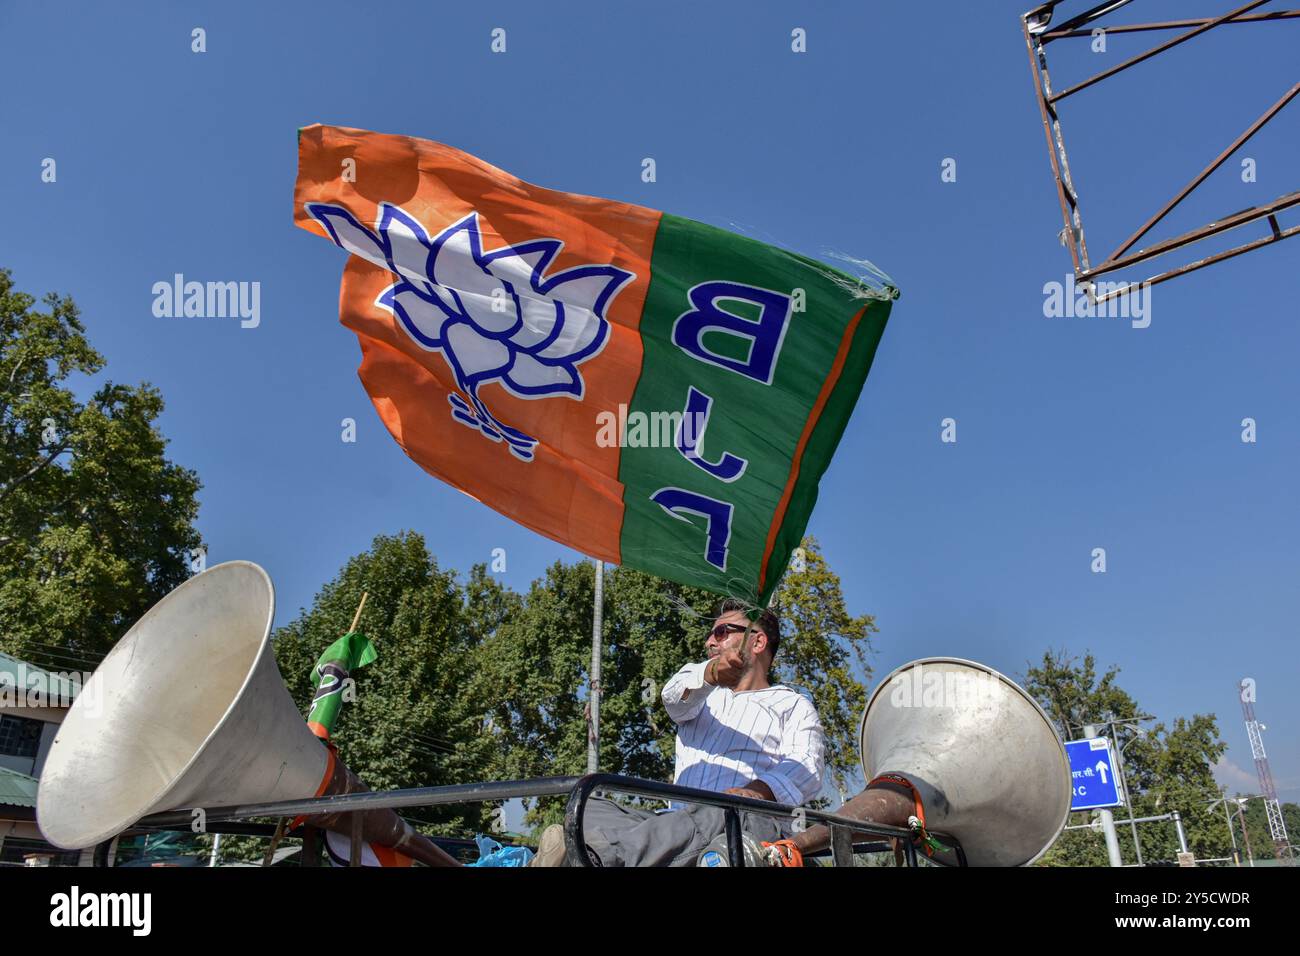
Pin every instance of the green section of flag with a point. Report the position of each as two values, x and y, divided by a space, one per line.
695 269
826 433
345 655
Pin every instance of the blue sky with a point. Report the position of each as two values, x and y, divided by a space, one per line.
1073 434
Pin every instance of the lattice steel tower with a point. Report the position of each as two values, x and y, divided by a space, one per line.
1273 809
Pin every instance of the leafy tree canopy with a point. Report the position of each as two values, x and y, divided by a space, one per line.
96 524
1165 767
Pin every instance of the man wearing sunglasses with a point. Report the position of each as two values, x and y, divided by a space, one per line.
736 733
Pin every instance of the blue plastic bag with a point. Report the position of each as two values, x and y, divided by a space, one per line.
492 853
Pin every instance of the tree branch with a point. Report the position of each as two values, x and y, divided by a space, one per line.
34 470
4 408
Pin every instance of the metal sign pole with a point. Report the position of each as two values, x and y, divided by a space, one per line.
1107 818
1119 773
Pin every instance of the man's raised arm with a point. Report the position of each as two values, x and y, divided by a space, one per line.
684 695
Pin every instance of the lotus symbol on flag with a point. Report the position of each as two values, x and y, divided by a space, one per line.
494 315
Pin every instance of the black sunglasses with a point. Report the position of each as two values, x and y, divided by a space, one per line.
720 631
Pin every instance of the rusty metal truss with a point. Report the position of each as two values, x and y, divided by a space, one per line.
1039 32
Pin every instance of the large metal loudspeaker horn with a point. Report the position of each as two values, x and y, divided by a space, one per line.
189 710
988 764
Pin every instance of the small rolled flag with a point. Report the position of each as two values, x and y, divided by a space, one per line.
649 390
329 676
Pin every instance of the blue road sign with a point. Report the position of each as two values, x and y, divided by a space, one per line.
1093 774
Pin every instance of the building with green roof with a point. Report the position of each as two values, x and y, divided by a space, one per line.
33 702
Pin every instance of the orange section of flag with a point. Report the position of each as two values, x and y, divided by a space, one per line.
569 490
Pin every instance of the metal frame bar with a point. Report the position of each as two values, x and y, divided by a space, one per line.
1065 31
579 790
1204 174
1157 50
1042 14
1036 39
1231 222
1069 197
1100 10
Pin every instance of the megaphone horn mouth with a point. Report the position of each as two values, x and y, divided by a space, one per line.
986 763
188 710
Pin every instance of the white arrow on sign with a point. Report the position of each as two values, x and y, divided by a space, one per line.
1101 769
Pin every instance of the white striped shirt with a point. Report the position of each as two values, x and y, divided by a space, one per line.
728 738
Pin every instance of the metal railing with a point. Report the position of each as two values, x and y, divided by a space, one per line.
579 790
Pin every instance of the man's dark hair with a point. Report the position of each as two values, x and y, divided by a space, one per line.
767 622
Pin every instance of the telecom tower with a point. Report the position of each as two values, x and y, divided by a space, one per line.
1273 810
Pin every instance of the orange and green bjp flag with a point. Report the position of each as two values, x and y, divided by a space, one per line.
646 389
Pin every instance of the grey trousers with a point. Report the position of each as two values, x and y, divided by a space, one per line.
626 836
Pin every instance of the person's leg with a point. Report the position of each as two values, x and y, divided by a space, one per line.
623 836
683 839
711 822
764 828
665 839
607 828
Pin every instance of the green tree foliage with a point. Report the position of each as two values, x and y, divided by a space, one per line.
529 674
96 525
1256 826
412 722
1166 767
